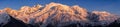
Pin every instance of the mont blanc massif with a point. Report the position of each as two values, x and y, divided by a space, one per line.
56 15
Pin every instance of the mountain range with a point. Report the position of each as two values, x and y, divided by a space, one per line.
56 15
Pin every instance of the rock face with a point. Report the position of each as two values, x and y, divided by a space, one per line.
8 21
56 15
4 18
15 23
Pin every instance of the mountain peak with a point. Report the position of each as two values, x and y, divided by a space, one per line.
101 13
60 14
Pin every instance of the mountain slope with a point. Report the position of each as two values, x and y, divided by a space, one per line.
59 15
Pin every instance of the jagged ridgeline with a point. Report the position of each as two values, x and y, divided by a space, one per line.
57 15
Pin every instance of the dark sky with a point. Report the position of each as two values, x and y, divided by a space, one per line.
112 6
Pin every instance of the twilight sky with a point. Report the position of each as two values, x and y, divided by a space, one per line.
112 6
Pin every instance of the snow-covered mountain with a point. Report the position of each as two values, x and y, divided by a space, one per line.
57 15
